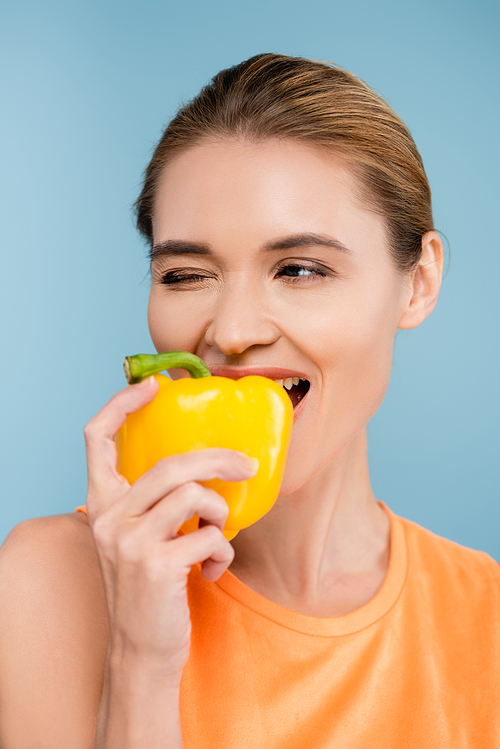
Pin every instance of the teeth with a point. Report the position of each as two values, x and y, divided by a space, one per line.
290 381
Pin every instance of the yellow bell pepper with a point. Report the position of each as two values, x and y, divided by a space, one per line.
253 415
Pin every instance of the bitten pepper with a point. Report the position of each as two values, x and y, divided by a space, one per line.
253 415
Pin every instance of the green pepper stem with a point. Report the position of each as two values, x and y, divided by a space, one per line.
140 366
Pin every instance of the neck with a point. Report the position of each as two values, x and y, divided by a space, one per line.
323 549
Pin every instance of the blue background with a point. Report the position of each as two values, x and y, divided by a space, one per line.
86 89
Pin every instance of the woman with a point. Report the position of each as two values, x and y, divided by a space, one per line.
289 218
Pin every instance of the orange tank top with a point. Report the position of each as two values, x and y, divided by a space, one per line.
418 667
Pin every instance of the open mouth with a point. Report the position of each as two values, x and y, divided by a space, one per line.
296 387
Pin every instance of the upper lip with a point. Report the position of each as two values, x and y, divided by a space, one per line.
274 373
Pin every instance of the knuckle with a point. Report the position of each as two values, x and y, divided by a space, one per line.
226 552
189 496
201 498
89 432
228 460
212 532
220 454
191 490
117 397
221 506
102 530
156 470
128 548
166 466
173 462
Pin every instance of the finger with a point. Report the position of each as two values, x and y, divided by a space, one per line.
171 472
206 545
166 517
101 429
212 569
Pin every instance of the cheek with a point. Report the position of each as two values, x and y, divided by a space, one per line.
354 354
173 324
360 360
351 341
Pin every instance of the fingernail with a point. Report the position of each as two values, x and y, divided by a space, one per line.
147 382
253 464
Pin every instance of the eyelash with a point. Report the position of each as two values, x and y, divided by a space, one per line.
170 278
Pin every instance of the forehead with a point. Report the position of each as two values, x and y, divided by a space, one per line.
234 188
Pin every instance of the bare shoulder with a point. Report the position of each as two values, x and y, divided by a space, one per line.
50 558
53 634
44 531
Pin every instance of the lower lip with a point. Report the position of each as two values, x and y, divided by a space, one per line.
300 406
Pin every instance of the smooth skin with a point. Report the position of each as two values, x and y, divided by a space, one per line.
97 606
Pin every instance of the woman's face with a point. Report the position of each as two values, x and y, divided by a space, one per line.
264 258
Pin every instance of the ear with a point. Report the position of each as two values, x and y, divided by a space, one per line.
424 283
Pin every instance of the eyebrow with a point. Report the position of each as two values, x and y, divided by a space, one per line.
175 247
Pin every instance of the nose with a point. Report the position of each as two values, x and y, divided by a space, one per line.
241 319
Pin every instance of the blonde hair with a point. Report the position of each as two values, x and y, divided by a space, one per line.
275 96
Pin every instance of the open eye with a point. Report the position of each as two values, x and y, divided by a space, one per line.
296 271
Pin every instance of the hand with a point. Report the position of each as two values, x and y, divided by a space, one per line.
144 563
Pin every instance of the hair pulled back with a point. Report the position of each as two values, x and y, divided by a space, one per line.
273 96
